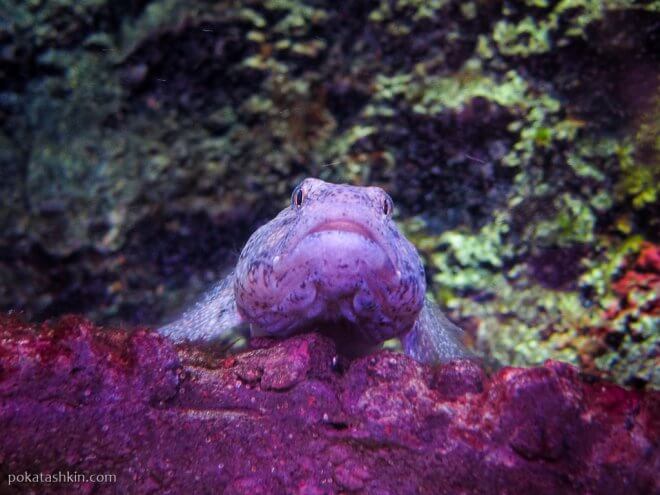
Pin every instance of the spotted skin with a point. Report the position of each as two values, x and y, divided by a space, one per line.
333 261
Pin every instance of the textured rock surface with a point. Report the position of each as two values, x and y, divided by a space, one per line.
282 419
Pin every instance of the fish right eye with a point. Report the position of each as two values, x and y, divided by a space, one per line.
388 206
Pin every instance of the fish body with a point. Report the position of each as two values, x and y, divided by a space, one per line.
333 261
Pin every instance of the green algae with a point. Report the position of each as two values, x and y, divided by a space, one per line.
559 22
573 223
639 158
421 9
520 322
433 95
299 16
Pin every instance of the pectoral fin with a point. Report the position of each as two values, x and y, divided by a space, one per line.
213 318
434 339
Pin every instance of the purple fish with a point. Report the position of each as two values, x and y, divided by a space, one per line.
333 261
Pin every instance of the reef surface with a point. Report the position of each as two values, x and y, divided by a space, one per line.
288 417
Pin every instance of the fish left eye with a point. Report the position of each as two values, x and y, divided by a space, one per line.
297 197
388 206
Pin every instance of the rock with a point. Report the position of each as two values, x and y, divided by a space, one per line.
283 419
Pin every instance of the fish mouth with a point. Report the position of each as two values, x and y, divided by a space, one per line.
338 232
344 226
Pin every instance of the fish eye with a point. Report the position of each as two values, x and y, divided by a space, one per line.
297 197
388 206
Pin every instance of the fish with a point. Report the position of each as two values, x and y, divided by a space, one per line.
333 261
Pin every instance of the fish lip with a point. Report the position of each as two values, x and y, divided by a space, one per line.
353 226
344 225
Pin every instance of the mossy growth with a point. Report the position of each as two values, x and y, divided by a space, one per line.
640 158
433 94
298 17
553 25
573 223
518 321
420 9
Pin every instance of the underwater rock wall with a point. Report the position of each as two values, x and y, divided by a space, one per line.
141 141
282 418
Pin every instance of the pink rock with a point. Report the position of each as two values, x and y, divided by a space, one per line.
283 419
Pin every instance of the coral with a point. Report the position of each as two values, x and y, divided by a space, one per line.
563 304
282 418
630 331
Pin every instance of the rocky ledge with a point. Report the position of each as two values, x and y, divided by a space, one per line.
286 417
